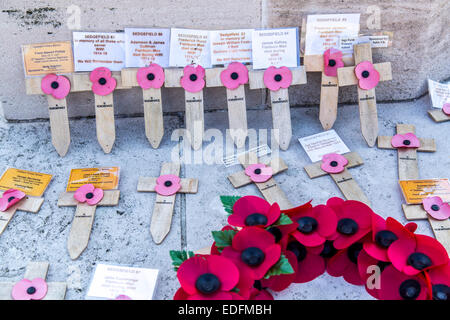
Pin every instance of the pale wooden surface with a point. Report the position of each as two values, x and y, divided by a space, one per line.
173 77
128 77
438 115
104 119
59 124
348 186
163 209
28 204
237 115
314 170
195 124
367 98
55 291
83 220
269 189
153 116
329 93
281 117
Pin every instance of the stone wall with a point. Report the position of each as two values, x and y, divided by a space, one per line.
420 49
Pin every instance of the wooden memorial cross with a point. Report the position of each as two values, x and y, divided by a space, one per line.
153 114
104 111
367 100
408 169
269 189
55 290
237 109
27 204
281 114
83 220
195 124
164 204
344 180
438 115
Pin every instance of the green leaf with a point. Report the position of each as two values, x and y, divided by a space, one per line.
223 238
281 267
228 203
283 220
178 257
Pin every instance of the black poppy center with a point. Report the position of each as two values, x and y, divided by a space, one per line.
441 292
54 85
89 195
331 62
409 289
207 283
298 249
102 81
31 290
150 76
253 256
333 163
328 250
365 74
11 199
419 261
406 142
347 226
353 252
385 238
276 233
256 219
435 207
193 77
307 225
168 183
278 77
257 171
234 75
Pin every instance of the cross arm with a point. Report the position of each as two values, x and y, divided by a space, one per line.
426 145
148 184
255 77
173 77
438 115
213 76
110 198
314 170
347 77
314 63
129 77
29 204
240 179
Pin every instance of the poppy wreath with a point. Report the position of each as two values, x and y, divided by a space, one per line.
264 249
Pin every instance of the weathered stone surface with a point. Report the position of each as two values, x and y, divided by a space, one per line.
421 40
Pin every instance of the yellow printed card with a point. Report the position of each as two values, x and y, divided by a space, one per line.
415 191
32 183
105 178
50 57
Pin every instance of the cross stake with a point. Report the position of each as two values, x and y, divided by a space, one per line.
195 123
438 115
27 204
164 205
408 169
237 109
269 189
153 114
367 101
55 291
281 114
83 220
344 179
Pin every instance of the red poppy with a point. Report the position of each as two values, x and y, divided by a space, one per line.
395 285
354 221
345 264
253 249
384 233
282 281
314 225
254 211
414 255
207 278
439 281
